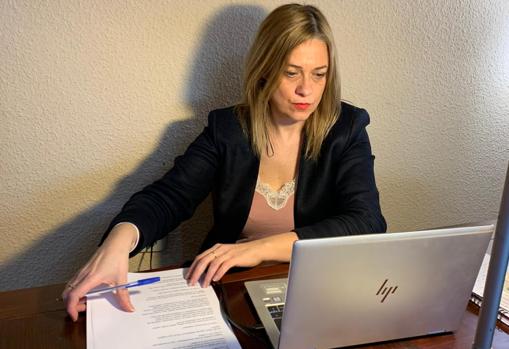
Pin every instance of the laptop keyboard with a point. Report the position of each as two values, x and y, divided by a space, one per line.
276 312
272 294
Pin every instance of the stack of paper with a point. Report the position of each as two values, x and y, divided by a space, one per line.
478 291
169 314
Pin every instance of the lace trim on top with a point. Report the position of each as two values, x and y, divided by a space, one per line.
276 199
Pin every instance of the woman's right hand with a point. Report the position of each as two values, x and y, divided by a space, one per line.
109 266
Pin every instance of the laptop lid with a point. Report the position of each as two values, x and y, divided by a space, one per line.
369 288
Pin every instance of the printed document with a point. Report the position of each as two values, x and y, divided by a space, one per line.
169 315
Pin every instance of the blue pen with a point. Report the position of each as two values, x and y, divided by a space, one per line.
128 285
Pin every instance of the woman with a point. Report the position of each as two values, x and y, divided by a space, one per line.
289 162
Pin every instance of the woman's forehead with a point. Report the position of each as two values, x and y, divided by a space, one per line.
311 53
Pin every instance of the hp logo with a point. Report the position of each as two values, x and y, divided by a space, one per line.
384 291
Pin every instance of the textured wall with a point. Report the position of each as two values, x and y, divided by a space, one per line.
98 97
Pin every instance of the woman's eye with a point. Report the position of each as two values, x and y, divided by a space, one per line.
320 75
291 74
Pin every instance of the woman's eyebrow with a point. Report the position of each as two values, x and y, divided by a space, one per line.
299 67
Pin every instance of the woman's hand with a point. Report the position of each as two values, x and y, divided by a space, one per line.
217 260
109 265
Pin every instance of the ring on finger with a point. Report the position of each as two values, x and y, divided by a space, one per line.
213 254
71 286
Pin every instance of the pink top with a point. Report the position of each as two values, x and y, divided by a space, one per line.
271 211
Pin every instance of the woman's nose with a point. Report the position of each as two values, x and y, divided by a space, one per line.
304 87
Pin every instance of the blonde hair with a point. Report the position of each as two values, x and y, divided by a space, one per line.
285 28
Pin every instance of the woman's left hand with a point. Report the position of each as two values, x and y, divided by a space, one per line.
218 259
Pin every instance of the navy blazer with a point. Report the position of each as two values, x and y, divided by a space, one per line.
335 194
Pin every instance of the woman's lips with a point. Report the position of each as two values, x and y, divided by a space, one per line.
301 106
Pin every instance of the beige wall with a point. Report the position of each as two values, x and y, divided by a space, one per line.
98 97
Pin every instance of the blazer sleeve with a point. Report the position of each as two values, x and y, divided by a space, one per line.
162 206
356 207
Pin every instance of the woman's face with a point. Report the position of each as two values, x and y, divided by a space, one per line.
302 84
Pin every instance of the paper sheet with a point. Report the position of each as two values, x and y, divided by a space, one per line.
479 289
169 314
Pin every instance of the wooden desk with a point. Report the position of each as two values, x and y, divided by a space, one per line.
34 318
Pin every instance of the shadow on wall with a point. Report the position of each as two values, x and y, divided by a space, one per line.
214 81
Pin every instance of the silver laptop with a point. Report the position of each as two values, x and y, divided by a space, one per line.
370 288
